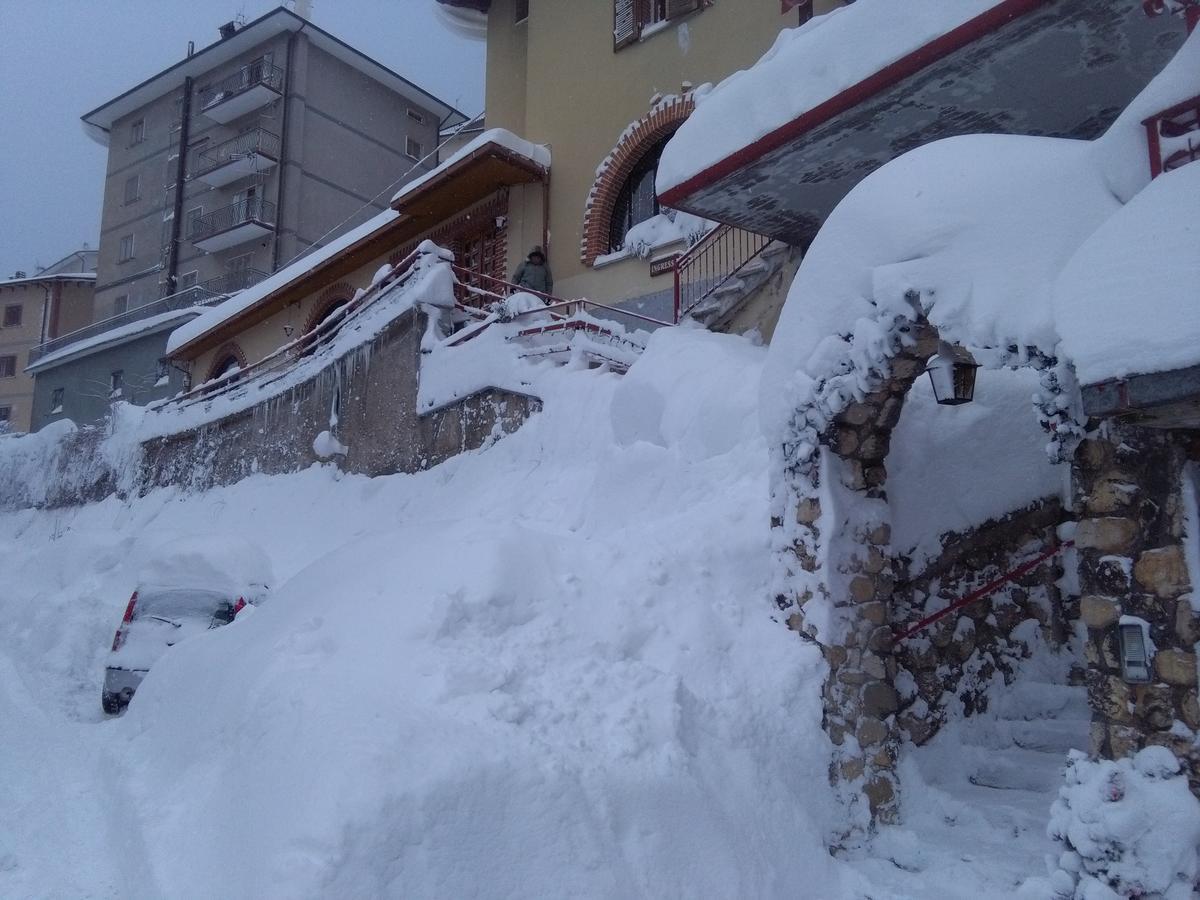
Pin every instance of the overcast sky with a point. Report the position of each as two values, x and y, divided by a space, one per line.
62 58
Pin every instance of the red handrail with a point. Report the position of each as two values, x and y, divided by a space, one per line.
711 262
989 588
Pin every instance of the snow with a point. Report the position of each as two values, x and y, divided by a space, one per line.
817 61
215 562
953 467
253 295
537 154
558 643
117 335
326 445
977 227
668 227
1122 302
1128 828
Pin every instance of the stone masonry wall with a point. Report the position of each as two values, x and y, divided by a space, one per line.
952 662
1133 562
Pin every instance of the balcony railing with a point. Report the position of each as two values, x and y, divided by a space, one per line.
233 224
249 152
232 281
1173 136
247 78
197 295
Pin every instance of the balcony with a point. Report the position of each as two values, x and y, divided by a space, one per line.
250 153
246 220
249 88
232 281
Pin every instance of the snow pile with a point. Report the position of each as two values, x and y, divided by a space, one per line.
216 562
817 61
668 227
1126 302
1129 828
557 643
954 467
537 154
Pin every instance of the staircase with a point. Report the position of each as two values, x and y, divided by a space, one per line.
719 306
977 797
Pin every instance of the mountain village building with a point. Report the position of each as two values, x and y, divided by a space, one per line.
222 169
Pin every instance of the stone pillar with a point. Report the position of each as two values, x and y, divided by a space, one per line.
1132 561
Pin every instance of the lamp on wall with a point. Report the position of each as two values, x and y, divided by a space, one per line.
288 330
952 371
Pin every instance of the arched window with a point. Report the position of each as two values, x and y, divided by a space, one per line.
637 200
229 358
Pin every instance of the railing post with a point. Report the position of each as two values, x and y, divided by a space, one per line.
678 303
1155 148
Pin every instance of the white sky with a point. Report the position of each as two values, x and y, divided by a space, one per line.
62 58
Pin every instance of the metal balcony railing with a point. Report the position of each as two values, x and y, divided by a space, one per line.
233 281
258 141
241 81
252 209
197 295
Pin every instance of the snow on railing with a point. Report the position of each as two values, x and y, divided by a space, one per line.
713 261
1173 136
279 362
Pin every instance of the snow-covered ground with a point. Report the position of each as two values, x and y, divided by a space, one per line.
548 668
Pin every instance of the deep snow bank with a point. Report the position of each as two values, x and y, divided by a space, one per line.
547 668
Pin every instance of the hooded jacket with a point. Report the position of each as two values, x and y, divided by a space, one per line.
534 276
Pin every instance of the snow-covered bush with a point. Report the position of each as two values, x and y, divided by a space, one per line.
1129 828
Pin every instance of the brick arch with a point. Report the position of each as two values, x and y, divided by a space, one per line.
643 134
231 348
333 296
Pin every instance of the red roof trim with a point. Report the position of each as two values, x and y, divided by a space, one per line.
887 77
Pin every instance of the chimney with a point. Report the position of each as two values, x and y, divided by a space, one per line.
228 30
304 9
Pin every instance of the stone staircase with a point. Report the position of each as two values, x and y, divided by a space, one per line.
719 307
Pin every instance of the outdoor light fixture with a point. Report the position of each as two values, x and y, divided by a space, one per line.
288 329
952 371
1135 660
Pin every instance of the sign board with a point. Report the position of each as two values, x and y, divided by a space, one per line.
664 265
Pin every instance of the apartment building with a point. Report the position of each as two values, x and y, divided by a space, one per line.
35 308
231 163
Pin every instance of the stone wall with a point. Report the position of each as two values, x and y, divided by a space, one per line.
1130 489
370 392
951 664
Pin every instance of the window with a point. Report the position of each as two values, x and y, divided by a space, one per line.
12 315
115 381
416 116
193 216
162 372
126 253
520 11
412 149
5 415
120 305
133 189
56 400
637 200
8 366
632 17
137 132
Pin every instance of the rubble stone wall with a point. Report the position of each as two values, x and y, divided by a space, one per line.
1132 545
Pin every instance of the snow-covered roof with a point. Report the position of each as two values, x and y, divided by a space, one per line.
33 279
112 338
816 62
239 303
1128 302
978 226
537 154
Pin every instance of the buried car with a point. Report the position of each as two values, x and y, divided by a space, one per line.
188 588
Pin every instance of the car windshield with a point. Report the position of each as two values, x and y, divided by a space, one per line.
181 604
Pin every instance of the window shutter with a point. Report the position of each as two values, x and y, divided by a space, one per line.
676 8
625 24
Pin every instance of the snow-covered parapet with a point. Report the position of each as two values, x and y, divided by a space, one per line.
536 154
1129 828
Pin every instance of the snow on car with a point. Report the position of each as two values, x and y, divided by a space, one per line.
188 587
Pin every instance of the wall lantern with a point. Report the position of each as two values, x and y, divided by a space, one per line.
1135 660
952 371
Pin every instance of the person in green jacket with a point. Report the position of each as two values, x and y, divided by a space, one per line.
534 273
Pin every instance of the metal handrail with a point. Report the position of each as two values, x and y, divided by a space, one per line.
252 209
233 281
241 81
197 295
255 141
713 261
1178 121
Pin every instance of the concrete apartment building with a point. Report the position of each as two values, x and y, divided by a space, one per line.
225 167
35 308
